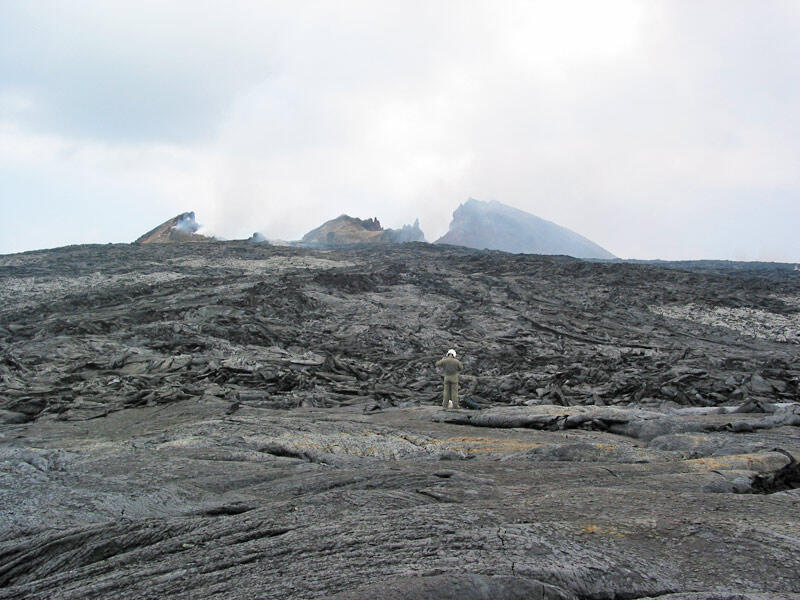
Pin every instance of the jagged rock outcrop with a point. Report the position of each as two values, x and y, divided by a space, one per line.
182 228
495 226
346 230
407 233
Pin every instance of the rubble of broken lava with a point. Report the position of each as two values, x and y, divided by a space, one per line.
238 420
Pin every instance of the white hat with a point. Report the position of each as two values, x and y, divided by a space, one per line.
451 352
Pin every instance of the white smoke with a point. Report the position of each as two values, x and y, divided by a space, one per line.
187 224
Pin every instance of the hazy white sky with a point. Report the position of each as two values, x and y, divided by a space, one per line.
657 129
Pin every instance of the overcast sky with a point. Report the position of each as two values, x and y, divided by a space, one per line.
656 129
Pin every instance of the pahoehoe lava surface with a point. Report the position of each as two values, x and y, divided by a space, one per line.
235 420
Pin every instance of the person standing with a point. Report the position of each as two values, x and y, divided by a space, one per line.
452 367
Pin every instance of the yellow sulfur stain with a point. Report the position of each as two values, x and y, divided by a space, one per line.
750 462
597 530
479 445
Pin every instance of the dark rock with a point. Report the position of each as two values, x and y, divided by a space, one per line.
785 478
759 385
463 586
10 417
245 420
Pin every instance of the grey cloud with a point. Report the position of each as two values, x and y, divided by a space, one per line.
681 141
134 71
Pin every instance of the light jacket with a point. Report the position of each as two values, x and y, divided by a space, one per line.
451 367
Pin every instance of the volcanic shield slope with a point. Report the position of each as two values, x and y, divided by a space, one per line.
235 420
496 226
